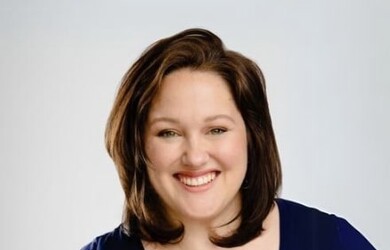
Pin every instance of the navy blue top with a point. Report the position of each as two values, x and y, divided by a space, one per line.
301 228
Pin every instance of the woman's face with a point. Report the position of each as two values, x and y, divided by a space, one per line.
197 147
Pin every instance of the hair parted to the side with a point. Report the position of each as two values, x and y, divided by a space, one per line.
198 49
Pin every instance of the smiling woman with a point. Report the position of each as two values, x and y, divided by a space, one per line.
191 136
199 162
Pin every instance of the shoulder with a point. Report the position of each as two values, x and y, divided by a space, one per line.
115 240
309 228
296 214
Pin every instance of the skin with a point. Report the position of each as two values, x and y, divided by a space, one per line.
196 143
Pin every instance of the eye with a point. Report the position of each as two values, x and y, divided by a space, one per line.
217 131
167 134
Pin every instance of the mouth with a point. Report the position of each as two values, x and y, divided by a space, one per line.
197 181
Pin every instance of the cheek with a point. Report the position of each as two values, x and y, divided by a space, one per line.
160 156
234 153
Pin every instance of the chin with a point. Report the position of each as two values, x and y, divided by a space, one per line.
213 213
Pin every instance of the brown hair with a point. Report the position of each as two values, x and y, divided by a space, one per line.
198 49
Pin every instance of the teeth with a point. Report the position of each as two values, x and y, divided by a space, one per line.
197 181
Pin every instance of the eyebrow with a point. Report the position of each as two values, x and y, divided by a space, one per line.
163 119
207 119
221 116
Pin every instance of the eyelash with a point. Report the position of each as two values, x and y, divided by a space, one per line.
217 131
167 133
171 133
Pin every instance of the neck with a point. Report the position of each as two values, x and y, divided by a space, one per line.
196 236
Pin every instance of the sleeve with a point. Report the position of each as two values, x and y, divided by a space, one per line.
115 240
350 238
90 246
99 243
107 241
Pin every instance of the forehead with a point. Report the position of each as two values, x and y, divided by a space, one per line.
193 83
193 90
188 75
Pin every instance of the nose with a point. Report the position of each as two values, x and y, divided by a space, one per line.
195 154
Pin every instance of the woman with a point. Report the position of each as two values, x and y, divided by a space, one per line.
191 136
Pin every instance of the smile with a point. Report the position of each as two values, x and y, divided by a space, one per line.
197 181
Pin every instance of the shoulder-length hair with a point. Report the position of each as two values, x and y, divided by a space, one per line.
197 49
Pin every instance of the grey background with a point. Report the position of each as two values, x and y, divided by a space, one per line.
327 70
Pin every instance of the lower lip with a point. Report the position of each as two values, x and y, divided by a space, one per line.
198 189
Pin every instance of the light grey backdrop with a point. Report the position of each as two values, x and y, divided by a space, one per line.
327 69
